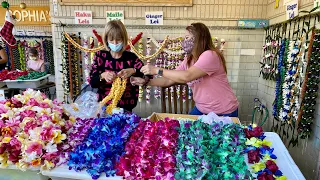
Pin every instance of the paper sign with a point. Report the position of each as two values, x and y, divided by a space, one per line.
20 32
317 4
115 15
83 17
31 33
154 18
2 96
292 9
55 7
39 33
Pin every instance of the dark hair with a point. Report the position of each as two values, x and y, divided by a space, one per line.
202 43
33 51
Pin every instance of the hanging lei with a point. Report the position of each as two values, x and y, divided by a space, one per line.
49 55
140 50
159 64
65 66
80 63
91 43
22 57
87 67
148 88
75 67
278 92
311 91
168 50
223 42
16 57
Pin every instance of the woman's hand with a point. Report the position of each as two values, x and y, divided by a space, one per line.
149 70
109 76
136 81
126 73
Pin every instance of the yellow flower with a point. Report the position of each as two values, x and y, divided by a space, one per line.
258 166
254 125
58 137
266 143
254 142
36 162
22 165
4 160
267 157
72 119
6 140
47 165
280 178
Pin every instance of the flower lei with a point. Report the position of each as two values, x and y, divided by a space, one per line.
11 75
150 151
311 94
211 151
148 88
268 68
23 64
278 92
260 154
116 92
33 129
65 67
104 145
87 66
140 50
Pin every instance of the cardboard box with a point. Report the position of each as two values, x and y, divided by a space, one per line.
162 116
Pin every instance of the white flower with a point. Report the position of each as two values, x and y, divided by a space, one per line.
29 157
51 148
35 133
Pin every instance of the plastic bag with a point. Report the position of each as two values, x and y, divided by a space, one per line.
85 106
213 117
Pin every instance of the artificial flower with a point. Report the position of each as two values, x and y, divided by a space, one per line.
58 137
34 147
36 162
253 156
258 167
47 165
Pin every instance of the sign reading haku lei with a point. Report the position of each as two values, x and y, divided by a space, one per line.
32 15
83 17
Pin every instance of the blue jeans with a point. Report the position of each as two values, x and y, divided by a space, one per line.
195 111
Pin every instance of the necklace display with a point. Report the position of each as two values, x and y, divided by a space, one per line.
148 52
86 59
65 65
140 50
311 88
22 58
115 94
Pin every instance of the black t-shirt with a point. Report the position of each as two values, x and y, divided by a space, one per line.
2 66
103 61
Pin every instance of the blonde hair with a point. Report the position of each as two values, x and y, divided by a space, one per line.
115 30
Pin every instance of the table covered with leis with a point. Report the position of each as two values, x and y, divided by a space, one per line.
39 134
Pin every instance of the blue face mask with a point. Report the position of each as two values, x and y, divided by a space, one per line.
115 47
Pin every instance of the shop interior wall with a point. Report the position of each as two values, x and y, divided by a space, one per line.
242 70
306 155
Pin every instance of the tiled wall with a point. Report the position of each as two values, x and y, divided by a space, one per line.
243 70
306 155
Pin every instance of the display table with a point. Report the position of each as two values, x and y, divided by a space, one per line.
12 173
284 161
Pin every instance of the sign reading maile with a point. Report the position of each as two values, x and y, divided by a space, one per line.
292 9
83 17
32 15
115 15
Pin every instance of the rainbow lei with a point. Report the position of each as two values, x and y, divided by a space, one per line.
260 154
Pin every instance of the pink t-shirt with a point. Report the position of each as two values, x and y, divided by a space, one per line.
212 93
36 65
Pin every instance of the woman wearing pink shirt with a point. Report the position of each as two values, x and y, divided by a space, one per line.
35 63
204 70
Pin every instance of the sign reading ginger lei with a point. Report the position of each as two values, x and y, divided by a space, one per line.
32 15
129 2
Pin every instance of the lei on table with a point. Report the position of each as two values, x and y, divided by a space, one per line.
115 94
104 145
11 75
211 151
33 129
260 154
311 89
150 151
32 75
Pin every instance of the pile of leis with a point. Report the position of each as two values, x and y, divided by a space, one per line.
150 151
104 145
260 154
32 75
211 151
76 135
33 131
311 89
11 75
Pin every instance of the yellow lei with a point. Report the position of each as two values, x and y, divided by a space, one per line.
115 94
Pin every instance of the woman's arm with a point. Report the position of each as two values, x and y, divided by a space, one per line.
4 56
161 82
179 77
